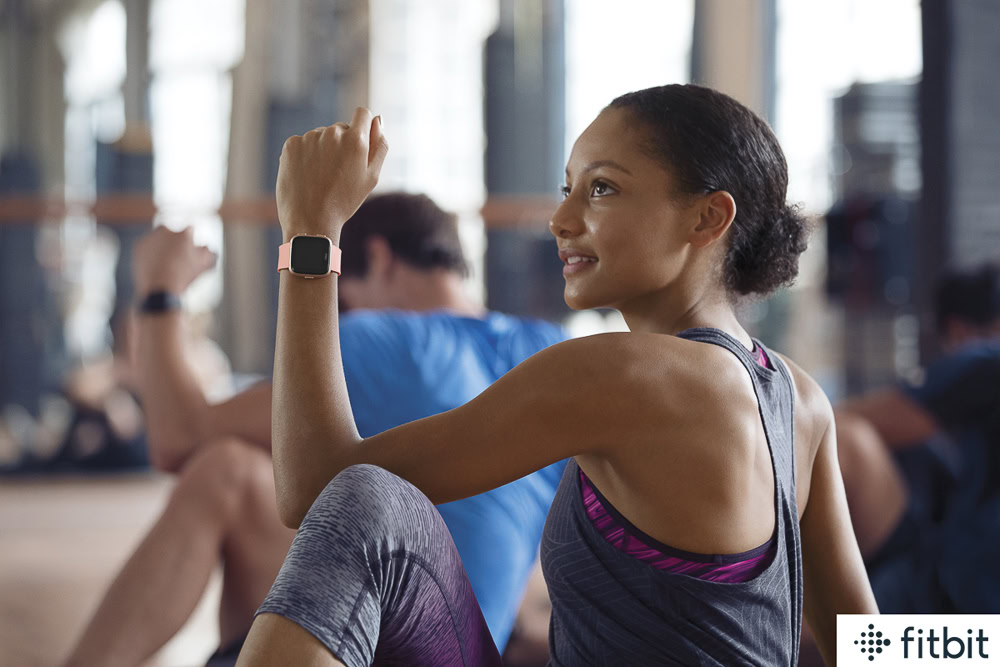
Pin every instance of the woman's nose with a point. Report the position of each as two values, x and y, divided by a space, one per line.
564 223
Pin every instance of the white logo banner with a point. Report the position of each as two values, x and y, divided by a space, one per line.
888 640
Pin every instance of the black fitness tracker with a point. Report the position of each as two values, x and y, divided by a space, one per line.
159 301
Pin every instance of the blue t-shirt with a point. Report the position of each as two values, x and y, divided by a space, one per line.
961 391
402 366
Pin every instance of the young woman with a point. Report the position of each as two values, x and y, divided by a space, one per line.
704 492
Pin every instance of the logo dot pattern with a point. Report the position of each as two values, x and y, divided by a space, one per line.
871 642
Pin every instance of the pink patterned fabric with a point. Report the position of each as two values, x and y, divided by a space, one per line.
760 356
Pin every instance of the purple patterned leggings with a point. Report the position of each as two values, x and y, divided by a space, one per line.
375 576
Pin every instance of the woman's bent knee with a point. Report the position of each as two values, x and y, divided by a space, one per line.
362 477
369 499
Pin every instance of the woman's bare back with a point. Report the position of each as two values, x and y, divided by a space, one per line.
700 477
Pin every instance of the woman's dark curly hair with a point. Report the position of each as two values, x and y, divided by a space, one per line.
709 142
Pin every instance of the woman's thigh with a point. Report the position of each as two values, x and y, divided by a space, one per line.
375 576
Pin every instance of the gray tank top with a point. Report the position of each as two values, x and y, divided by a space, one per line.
610 609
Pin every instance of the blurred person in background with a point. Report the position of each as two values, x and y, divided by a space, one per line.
921 463
423 348
91 421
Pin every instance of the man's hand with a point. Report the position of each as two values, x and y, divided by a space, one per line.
170 261
326 174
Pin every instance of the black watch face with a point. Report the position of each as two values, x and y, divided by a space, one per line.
311 255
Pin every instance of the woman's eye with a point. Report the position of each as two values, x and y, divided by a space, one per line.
600 188
564 190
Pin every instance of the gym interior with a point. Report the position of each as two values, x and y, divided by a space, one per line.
118 117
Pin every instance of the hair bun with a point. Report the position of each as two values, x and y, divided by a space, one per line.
770 258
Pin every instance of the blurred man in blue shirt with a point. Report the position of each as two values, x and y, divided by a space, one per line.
413 345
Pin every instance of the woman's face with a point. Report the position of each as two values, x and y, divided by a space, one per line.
622 234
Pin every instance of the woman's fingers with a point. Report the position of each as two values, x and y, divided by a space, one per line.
377 146
324 175
362 122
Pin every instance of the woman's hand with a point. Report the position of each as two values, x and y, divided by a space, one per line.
326 174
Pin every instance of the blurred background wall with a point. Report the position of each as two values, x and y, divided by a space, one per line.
117 115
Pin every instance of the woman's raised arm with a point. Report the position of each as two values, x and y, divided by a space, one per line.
569 399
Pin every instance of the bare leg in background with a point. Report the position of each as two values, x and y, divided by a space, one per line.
222 509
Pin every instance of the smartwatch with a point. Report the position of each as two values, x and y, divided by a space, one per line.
309 256
159 301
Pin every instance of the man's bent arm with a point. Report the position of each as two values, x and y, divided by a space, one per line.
179 418
899 420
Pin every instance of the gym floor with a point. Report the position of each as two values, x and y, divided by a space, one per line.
61 541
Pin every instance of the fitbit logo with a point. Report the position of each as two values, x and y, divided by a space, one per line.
951 646
916 639
871 642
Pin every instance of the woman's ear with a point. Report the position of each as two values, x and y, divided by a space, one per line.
716 212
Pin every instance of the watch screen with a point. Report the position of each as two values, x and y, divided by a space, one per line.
310 255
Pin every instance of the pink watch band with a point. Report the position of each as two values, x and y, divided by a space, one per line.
285 256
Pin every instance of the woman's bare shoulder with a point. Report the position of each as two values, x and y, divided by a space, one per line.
662 374
809 395
619 352
813 412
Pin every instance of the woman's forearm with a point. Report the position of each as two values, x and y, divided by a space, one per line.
323 177
312 424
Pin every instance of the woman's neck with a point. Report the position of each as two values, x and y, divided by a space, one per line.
671 314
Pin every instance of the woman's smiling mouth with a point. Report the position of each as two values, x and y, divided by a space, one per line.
576 261
577 264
